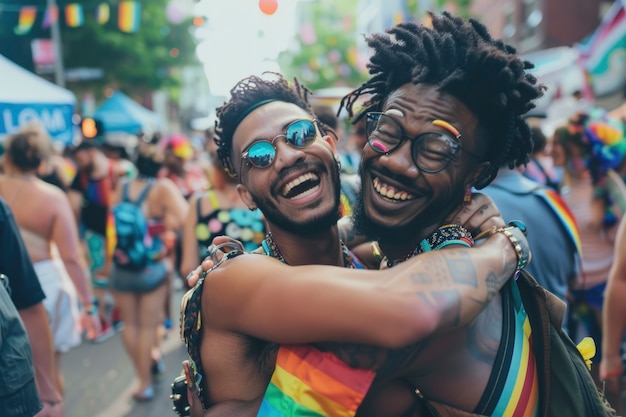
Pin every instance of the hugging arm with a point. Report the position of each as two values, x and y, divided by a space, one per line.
261 297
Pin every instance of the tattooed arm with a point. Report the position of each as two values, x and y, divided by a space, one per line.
262 297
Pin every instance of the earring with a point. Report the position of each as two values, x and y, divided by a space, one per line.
467 198
338 165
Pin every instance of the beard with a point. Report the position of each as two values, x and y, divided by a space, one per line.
312 226
88 169
430 216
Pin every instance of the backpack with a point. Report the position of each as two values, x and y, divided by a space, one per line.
566 387
134 247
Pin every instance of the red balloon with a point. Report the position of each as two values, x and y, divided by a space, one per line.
268 6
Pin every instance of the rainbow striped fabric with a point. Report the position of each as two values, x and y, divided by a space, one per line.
309 382
564 214
513 388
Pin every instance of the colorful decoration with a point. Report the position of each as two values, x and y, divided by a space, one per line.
174 13
268 7
74 16
50 17
103 13
26 20
129 16
307 34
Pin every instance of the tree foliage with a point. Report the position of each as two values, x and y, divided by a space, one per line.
325 53
132 62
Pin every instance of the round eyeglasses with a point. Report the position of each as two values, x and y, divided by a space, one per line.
262 153
431 151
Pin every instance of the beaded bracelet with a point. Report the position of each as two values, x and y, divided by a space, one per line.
448 234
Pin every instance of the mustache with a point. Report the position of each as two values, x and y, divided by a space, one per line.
299 166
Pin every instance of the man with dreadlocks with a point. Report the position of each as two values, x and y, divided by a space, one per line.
287 166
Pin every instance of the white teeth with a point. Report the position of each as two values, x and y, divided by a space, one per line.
389 192
297 181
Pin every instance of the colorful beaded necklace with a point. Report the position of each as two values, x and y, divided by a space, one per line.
271 249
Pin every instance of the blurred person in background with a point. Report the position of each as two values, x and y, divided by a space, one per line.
51 239
141 295
16 386
179 166
351 151
556 242
56 169
218 211
588 147
614 323
540 168
90 196
18 394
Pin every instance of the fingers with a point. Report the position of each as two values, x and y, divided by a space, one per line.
480 214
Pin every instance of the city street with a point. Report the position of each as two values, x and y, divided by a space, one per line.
99 378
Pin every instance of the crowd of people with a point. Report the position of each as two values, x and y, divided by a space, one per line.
384 267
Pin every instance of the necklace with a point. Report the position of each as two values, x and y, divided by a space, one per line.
271 249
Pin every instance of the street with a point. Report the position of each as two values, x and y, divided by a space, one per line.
99 378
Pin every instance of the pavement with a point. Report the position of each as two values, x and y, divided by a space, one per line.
99 378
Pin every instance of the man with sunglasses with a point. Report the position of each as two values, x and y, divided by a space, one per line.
287 167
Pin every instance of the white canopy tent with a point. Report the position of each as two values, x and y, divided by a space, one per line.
25 96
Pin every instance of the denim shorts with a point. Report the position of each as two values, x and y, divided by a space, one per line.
22 403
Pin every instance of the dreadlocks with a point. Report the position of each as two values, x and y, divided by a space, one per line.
460 58
247 95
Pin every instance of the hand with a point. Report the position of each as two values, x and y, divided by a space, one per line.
210 261
50 410
481 214
196 408
91 324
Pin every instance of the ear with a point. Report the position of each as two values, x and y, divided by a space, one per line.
331 140
481 176
246 197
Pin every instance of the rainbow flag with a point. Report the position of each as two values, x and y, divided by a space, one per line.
25 20
74 16
564 214
129 15
103 13
309 382
50 17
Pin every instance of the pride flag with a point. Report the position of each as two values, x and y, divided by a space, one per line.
50 17
564 214
25 20
603 52
103 13
309 382
129 15
74 16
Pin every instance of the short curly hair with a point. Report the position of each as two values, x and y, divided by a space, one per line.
244 97
460 58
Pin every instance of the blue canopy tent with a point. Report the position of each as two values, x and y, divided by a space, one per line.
120 113
25 96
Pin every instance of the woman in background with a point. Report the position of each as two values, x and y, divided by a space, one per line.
141 295
48 228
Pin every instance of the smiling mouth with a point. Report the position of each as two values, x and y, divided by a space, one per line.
390 192
302 186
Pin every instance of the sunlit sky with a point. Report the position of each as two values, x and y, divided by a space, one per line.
238 39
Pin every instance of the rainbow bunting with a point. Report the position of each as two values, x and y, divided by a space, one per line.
129 16
309 382
50 17
26 20
74 15
103 13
